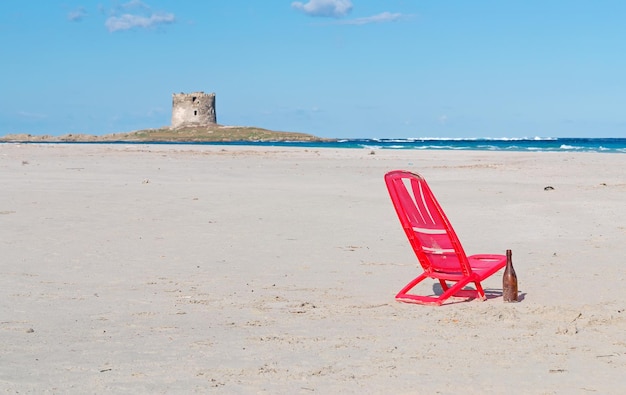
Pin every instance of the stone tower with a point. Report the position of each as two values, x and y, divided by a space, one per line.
193 109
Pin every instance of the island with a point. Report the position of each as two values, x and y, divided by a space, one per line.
204 133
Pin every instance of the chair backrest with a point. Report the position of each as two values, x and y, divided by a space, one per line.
430 233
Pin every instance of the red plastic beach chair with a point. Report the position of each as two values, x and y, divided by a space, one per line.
437 247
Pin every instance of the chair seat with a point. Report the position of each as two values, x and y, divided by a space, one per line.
484 265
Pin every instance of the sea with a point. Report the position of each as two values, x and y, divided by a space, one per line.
536 144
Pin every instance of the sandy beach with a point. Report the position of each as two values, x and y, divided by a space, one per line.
165 269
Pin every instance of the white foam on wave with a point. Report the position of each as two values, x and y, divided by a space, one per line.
414 139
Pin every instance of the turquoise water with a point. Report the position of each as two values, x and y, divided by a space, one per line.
605 145
608 145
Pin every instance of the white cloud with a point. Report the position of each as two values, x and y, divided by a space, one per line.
129 21
142 17
77 15
324 8
135 4
379 18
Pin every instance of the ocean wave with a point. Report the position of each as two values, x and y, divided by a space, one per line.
473 139
536 144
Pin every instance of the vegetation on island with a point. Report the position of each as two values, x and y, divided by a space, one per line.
210 133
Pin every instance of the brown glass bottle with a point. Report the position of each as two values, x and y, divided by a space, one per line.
509 280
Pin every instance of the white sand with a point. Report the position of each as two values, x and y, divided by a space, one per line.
193 269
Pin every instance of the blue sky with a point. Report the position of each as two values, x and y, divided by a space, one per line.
333 68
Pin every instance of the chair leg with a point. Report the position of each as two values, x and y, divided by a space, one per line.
456 290
453 290
480 293
413 283
477 293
